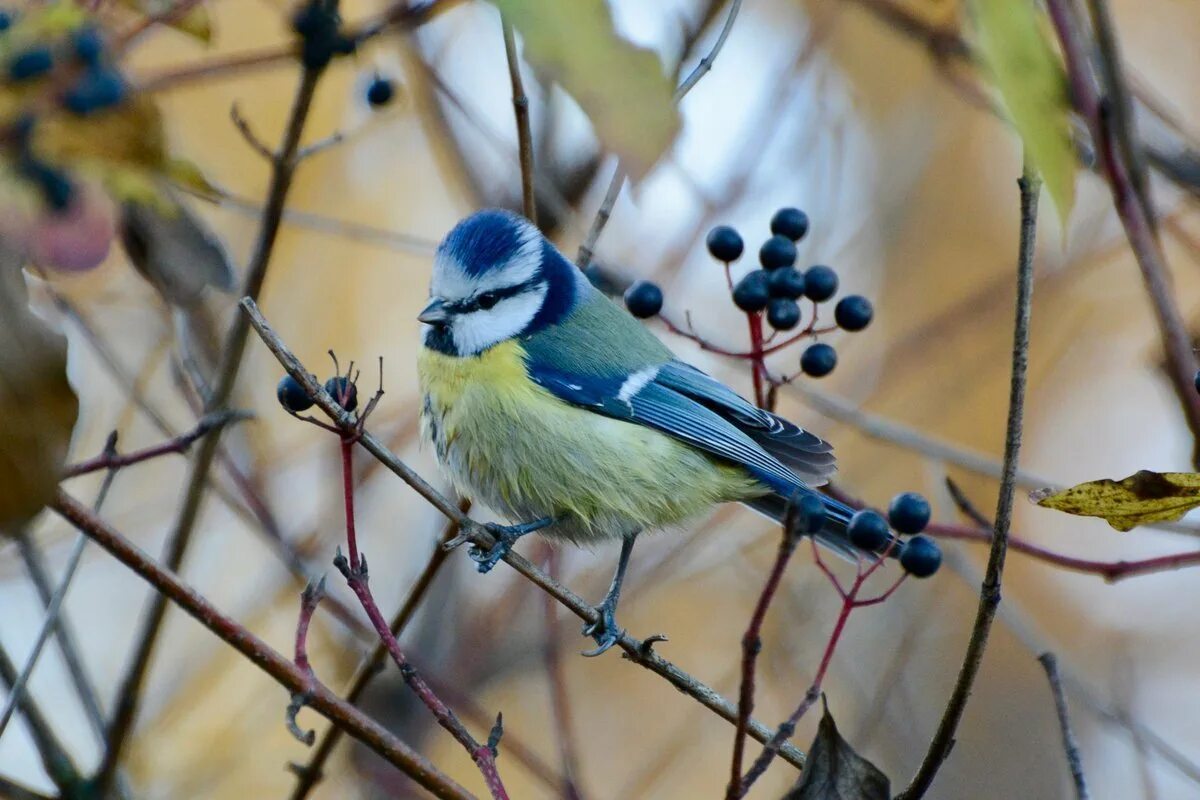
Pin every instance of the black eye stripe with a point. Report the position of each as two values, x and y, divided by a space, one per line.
502 293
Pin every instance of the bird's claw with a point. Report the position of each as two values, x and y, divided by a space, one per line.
604 630
505 536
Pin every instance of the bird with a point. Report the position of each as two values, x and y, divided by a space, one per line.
552 405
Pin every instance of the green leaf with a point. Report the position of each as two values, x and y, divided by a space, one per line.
622 88
1033 86
835 772
1140 499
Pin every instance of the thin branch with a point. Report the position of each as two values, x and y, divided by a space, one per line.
179 444
520 103
287 674
283 167
560 702
752 645
1097 111
638 651
310 774
1070 746
587 249
55 759
989 594
11 790
355 572
84 687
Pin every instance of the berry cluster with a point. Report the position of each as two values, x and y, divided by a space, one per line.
908 514
295 398
98 86
775 290
320 29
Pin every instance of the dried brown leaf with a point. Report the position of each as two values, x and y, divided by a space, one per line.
1140 499
835 772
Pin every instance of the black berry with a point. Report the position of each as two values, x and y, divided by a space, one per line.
32 63
783 314
790 222
56 188
853 312
97 89
1198 381
643 299
808 514
820 283
869 531
6 20
292 395
380 91
909 512
776 252
920 557
343 392
89 45
818 360
725 244
786 282
751 293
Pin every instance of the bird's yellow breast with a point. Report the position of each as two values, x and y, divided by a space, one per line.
511 444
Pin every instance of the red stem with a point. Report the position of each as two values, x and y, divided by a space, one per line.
756 357
751 645
347 444
356 578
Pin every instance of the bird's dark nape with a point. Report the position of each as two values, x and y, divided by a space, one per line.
834 534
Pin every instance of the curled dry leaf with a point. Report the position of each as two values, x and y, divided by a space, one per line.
621 87
174 250
1140 499
835 772
38 408
195 22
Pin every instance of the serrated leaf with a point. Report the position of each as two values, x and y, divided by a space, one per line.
834 771
621 87
37 406
1140 499
1031 81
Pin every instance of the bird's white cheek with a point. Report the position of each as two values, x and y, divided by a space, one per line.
479 330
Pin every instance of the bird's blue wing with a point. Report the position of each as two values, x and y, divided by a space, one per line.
808 455
641 398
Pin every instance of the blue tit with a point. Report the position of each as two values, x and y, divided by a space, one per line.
552 405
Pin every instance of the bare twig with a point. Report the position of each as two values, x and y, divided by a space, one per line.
520 103
1070 746
638 651
586 250
55 759
354 570
179 444
287 674
752 645
283 166
310 774
560 703
989 594
1098 112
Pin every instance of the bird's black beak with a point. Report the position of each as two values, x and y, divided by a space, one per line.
434 312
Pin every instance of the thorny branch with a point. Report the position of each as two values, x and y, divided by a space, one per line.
989 594
636 650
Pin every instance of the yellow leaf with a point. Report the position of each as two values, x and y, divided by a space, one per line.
1137 500
622 88
196 22
1033 86
37 406
187 175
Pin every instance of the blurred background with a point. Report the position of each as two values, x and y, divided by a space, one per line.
853 110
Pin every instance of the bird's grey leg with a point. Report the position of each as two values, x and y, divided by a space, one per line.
605 630
505 536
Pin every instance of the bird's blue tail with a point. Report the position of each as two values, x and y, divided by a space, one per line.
833 534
